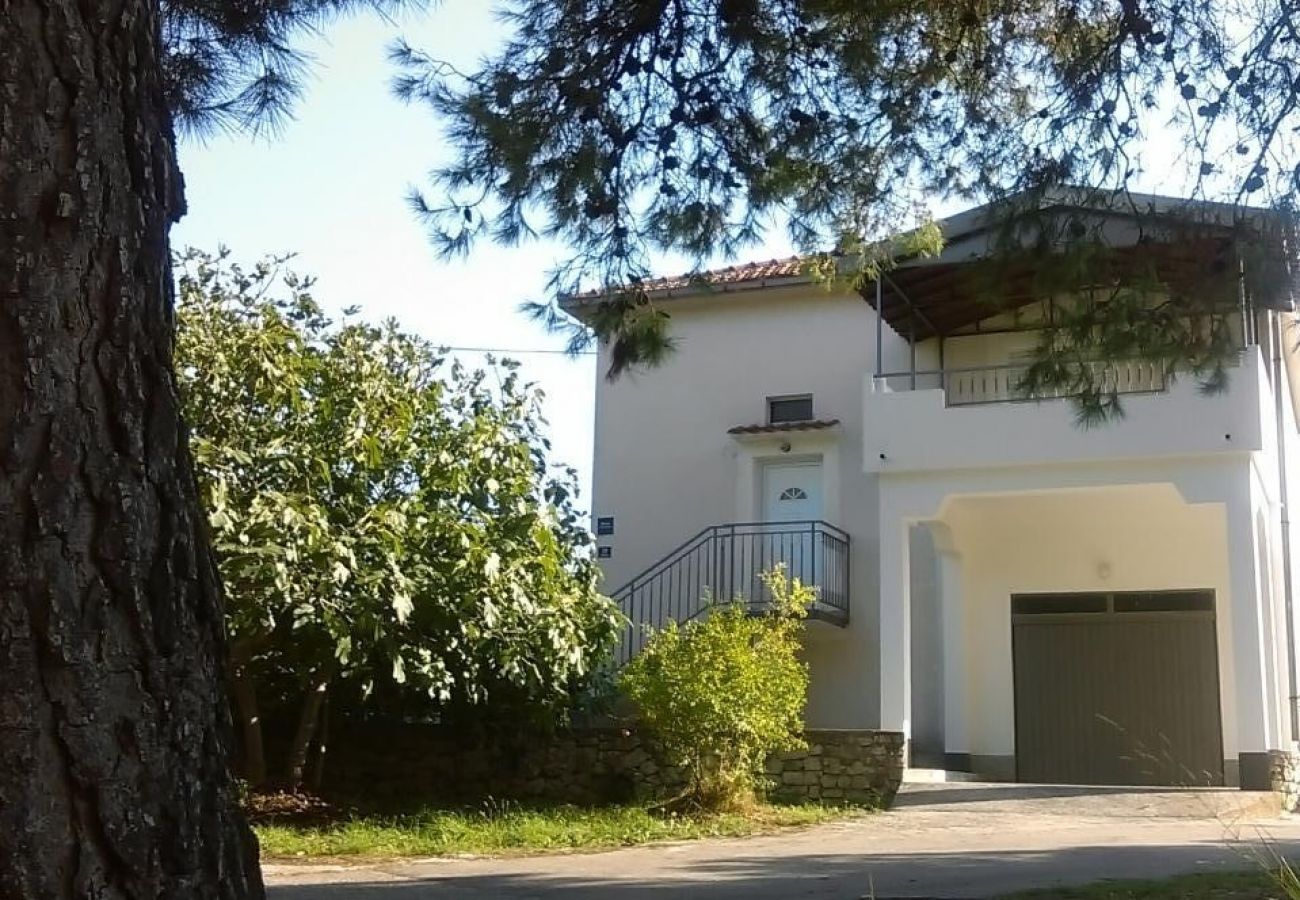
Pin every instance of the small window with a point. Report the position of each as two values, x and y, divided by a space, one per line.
793 493
789 409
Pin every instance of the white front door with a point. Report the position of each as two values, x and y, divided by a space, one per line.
792 491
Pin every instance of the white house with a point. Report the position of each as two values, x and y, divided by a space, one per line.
1022 597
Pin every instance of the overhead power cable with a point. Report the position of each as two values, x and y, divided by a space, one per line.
518 350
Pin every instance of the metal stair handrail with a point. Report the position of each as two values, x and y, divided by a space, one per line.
722 561
704 534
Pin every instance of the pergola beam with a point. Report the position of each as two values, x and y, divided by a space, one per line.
925 320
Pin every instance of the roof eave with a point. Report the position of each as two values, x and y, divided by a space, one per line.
575 304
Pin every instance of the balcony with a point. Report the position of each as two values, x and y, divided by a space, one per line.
978 418
725 562
971 386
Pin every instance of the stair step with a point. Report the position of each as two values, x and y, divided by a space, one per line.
937 776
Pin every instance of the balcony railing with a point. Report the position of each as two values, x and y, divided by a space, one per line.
971 386
724 562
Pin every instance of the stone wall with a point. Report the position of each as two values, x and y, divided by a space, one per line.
395 764
840 766
1284 777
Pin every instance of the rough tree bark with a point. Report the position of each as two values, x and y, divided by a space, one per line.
115 732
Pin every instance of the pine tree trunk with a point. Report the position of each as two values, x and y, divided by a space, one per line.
115 731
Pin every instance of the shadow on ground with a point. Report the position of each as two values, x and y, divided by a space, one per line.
941 794
852 877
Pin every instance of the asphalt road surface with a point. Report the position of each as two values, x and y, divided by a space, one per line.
940 841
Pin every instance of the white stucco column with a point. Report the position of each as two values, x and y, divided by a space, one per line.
1256 728
956 677
895 626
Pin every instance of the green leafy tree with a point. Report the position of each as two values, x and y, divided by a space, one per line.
723 692
376 511
630 128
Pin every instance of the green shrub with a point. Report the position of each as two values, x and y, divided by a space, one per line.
722 692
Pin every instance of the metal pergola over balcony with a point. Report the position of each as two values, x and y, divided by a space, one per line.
939 300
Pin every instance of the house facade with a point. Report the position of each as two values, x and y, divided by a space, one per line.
1022 597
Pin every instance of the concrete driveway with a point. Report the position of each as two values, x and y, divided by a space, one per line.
940 840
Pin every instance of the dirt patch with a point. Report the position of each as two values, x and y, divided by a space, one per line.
292 808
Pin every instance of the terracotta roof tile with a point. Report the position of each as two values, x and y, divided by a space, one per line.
790 267
780 427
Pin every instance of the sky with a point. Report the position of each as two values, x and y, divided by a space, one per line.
331 188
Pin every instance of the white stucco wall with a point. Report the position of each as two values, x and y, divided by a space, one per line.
1073 529
1275 505
917 431
665 466
1143 537
1118 509
1183 493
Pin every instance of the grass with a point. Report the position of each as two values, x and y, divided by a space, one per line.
1256 885
499 829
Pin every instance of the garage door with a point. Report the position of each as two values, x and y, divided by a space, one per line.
1117 688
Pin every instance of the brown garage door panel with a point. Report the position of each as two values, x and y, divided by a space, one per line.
1117 699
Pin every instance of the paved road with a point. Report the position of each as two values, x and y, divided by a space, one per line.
940 841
